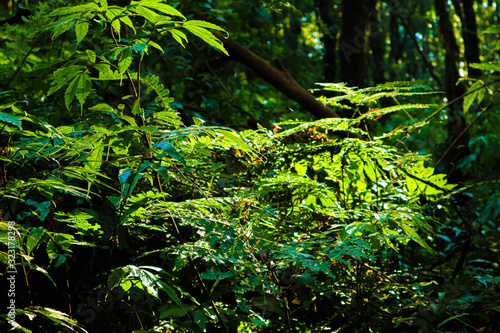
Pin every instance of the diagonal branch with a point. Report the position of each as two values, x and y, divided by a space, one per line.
281 79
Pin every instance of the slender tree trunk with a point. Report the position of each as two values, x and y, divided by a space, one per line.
465 10
353 42
396 41
456 120
376 43
329 39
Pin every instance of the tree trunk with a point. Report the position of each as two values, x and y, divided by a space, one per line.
329 39
471 40
456 121
353 42
377 44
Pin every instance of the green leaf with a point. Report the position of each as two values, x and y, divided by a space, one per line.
11 119
452 318
94 160
203 24
206 36
156 46
112 13
73 10
174 312
158 5
495 29
33 238
214 275
469 99
62 27
125 61
487 67
169 149
410 232
179 36
57 317
102 107
170 292
90 56
80 88
141 48
235 139
148 14
81 29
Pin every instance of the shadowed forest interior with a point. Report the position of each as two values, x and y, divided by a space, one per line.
250 166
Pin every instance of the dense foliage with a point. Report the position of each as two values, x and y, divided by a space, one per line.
148 186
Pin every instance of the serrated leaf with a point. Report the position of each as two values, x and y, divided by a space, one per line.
62 27
94 160
206 36
179 36
73 10
148 14
80 88
33 238
170 292
125 61
63 75
203 24
156 46
158 5
127 21
81 29
112 13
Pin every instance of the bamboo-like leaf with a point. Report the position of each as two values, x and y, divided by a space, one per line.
169 149
452 318
11 119
234 138
410 232
179 36
203 24
158 5
206 36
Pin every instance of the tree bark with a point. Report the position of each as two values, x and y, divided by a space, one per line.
467 15
456 121
377 44
353 42
329 39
